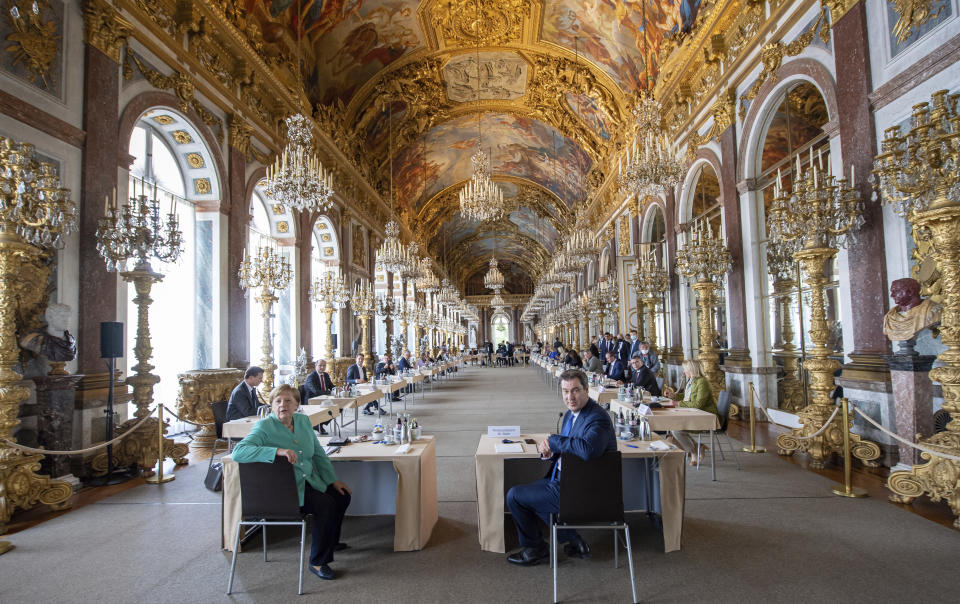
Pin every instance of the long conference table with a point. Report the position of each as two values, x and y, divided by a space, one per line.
653 481
383 482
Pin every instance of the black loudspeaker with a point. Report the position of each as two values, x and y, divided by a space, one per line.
111 340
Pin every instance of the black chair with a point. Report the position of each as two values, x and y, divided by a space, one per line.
723 406
591 497
268 496
219 417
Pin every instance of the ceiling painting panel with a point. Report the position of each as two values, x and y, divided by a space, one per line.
518 146
614 33
502 76
355 39
591 113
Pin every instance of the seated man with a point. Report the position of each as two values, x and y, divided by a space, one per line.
357 374
642 377
318 383
405 364
591 363
649 358
386 368
587 433
243 400
615 368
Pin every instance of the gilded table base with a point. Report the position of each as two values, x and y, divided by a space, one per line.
140 449
830 441
938 478
22 488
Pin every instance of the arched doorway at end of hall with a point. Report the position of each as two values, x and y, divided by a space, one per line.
501 327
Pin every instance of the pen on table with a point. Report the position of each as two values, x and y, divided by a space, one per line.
633 446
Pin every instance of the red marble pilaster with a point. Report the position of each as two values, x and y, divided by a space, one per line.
736 298
98 288
867 271
238 346
913 398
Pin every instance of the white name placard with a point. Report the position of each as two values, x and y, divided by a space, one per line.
644 409
502 431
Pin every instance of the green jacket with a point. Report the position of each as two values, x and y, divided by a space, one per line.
269 434
701 397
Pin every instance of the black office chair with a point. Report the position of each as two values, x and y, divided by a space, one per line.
723 406
591 497
219 417
268 496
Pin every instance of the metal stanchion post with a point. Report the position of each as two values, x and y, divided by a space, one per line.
159 478
847 489
753 448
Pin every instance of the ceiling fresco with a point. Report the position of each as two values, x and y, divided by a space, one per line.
554 90
518 146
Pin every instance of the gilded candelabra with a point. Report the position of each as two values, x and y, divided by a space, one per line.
35 213
270 271
135 231
386 307
650 281
781 265
820 212
363 303
330 293
704 259
919 173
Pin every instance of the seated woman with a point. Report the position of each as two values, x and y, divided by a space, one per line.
572 359
287 434
698 394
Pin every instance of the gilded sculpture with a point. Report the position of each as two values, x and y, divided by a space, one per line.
198 389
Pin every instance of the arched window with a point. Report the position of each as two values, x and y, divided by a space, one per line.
324 257
794 131
501 328
705 206
175 171
263 232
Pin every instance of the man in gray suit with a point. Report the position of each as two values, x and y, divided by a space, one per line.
649 358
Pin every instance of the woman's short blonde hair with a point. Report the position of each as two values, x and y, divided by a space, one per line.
692 366
285 388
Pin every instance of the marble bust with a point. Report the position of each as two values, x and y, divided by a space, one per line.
911 313
55 343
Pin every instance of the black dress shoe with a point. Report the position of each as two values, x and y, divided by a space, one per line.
529 556
323 430
324 572
367 412
577 548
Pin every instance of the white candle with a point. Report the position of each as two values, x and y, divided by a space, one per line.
853 175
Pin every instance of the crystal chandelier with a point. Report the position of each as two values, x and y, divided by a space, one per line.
33 203
494 278
427 282
448 294
583 246
297 178
648 165
497 302
411 262
392 256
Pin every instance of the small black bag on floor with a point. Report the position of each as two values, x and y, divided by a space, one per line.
214 478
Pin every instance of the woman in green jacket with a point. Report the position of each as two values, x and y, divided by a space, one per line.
698 394
285 433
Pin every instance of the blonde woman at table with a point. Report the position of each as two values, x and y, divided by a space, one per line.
285 433
697 394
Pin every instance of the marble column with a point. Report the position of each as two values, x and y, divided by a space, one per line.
55 402
739 353
238 343
675 350
913 400
867 270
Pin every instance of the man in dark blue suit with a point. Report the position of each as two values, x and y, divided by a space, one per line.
357 374
634 343
623 350
243 400
615 367
318 383
587 433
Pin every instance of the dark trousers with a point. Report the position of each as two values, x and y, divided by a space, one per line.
372 406
328 508
527 502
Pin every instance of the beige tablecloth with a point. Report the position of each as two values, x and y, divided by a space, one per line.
491 495
607 395
416 490
680 418
318 414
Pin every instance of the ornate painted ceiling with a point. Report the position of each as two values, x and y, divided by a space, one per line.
550 83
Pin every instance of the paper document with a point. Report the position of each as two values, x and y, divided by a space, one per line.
402 449
509 447
659 445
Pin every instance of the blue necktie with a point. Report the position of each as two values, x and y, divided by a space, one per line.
567 422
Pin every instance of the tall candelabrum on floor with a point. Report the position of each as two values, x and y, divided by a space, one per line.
330 293
781 265
819 213
135 231
919 173
704 259
270 271
650 281
364 304
35 215
386 307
